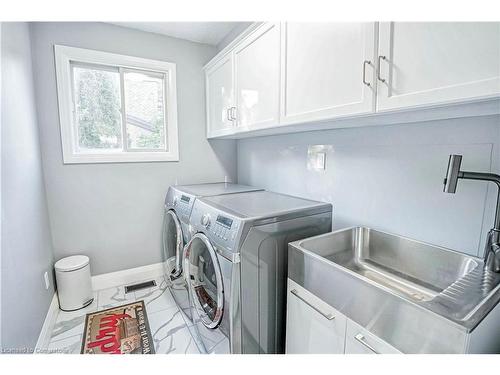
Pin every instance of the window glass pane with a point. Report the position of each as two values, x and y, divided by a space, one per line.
145 110
97 102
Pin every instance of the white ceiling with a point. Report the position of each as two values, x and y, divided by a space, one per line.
202 32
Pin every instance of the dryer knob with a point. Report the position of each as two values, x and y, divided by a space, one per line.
205 220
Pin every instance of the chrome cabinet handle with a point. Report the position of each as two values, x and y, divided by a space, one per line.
228 113
361 339
233 113
364 72
327 316
378 68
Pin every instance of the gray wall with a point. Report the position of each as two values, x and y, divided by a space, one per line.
1 106
389 178
113 212
26 242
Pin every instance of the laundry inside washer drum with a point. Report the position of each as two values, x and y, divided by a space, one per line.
204 282
172 240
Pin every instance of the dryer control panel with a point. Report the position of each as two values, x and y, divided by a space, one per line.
181 203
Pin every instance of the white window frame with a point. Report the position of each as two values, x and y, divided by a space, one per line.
64 56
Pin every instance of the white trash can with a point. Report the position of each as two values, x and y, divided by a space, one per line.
74 286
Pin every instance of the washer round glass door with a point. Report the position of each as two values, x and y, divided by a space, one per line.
205 280
172 244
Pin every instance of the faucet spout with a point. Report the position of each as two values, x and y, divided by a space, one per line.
486 177
453 174
492 251
451 179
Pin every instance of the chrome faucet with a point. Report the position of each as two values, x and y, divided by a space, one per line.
492 250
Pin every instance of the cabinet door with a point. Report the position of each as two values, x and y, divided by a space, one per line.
327 70
359 341
257 74
313 327
220 98
436 62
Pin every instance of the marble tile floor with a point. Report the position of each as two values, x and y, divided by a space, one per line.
170 329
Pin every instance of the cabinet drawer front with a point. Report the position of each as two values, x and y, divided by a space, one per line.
313 327
361 341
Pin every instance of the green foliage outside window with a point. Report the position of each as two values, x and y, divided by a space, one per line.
98 111
98 108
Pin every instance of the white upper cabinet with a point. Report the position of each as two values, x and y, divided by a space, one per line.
278 78
327 70
257 77
220 97
432 63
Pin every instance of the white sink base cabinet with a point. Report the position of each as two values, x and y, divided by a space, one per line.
314 327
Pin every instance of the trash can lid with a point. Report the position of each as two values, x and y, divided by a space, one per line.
72 263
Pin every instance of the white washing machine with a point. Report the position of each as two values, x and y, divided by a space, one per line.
236 267
179 202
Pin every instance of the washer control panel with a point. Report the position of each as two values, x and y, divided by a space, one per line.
221 227
205 220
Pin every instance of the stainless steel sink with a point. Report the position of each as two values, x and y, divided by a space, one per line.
415 269
419 297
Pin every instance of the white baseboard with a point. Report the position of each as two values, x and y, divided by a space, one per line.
132 275
104 281
48 325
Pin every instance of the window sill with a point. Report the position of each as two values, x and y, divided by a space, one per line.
129 157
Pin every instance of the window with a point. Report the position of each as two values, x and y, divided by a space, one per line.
115 108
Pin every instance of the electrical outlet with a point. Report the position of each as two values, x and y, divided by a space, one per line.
46 279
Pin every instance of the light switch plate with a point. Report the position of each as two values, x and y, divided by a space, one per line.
46 279
316 157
